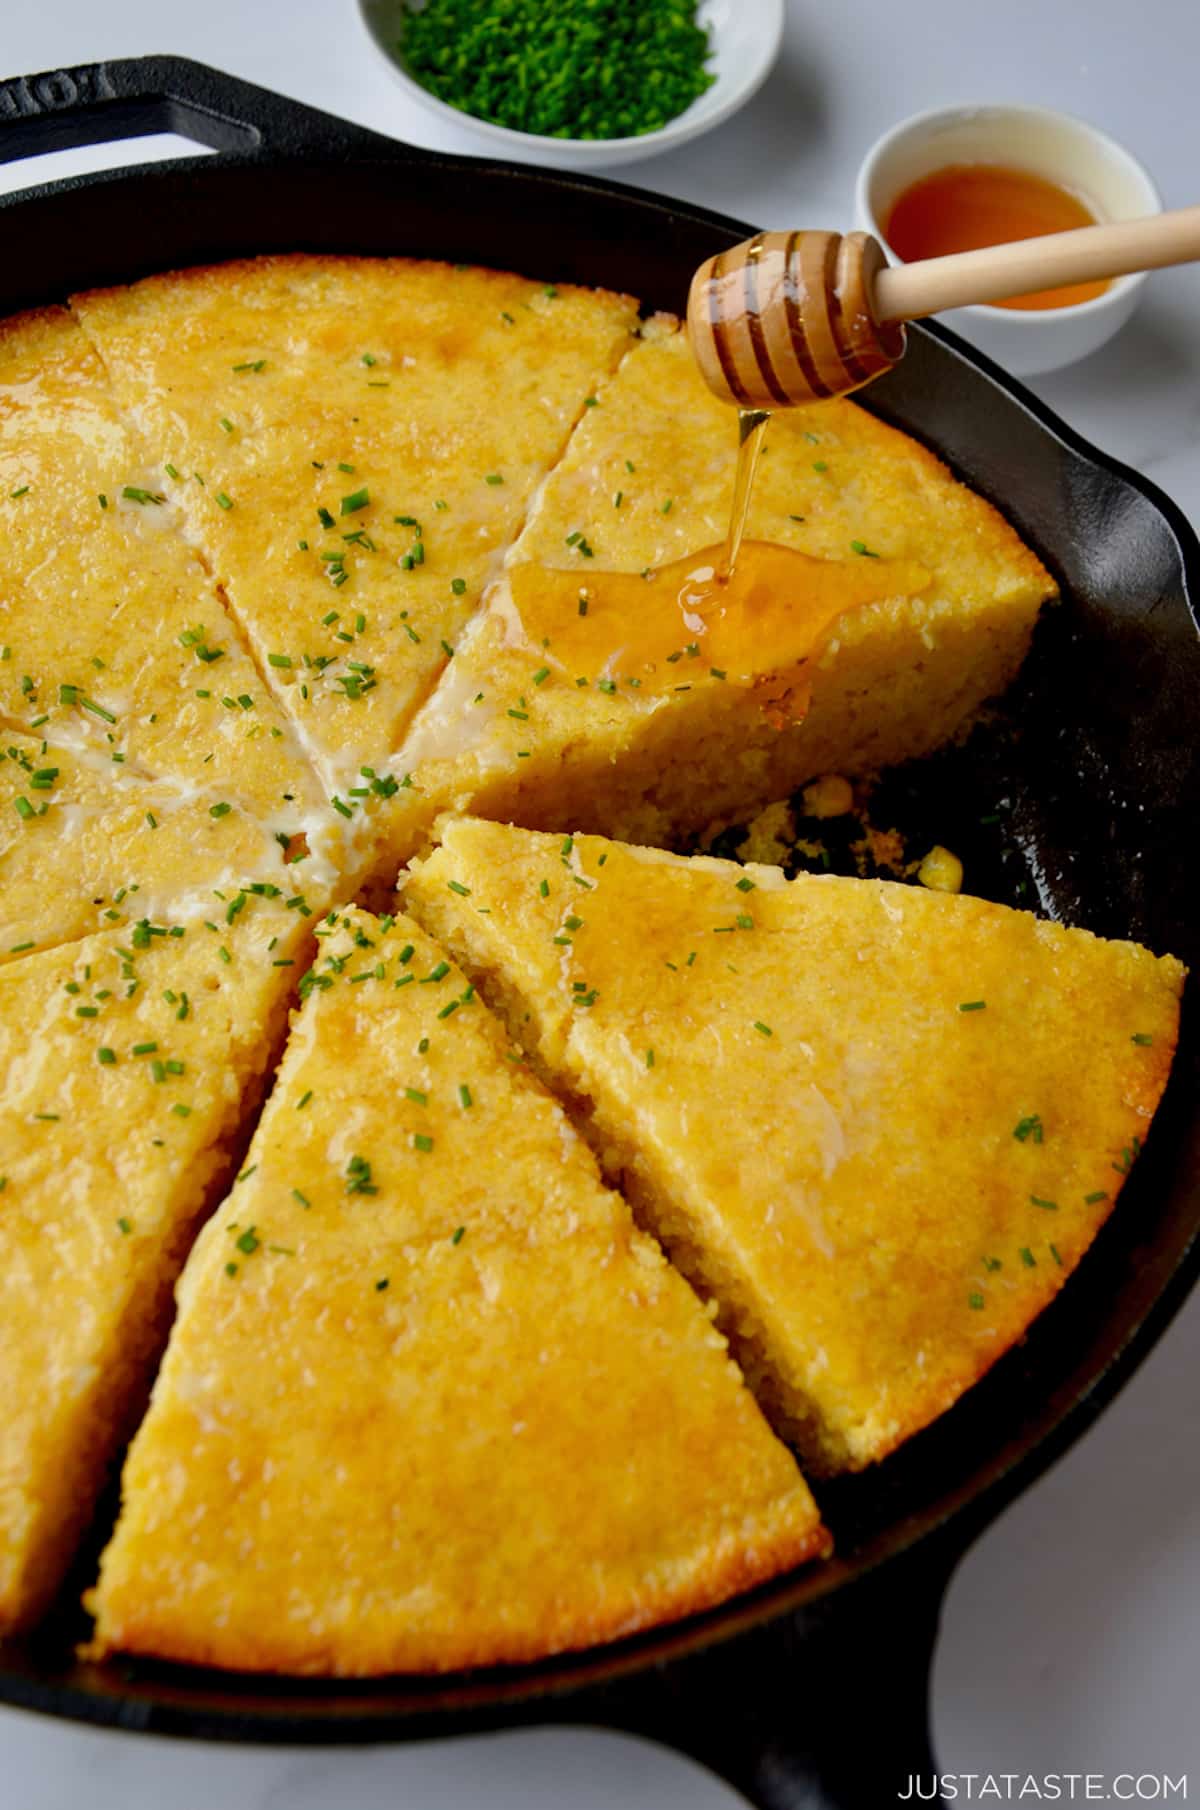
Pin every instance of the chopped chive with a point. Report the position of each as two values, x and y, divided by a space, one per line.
224 501
458 1235
763 1029
973 1005
464 1094
422 1142
1050 1206
358 1177
975 1300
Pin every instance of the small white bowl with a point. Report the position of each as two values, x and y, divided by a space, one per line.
1065 150
744 39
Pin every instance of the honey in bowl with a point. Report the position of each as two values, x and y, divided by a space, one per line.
968 205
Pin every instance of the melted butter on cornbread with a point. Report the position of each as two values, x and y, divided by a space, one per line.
85 845
113 641
127 1061
431 1400
851 1109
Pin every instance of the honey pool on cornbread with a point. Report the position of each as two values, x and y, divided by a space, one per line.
661 631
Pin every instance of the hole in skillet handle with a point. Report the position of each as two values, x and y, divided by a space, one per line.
136 97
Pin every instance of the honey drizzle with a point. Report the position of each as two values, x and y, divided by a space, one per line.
752 428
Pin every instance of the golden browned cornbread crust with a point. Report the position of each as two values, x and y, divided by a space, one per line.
369 432
881 1125
127 1061
517 731
431 1401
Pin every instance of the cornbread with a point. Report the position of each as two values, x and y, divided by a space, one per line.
85 846
547 719
880 1124
127 1060
298 556
431 1401
369 432
112 639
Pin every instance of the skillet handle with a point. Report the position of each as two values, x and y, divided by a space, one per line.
99 103
825 1709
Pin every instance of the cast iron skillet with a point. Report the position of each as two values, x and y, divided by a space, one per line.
812 1690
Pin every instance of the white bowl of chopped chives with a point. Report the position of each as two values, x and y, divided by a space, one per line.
578 83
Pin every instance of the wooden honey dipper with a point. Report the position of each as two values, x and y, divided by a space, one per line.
787 318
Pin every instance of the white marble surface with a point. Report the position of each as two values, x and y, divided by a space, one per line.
1072 1631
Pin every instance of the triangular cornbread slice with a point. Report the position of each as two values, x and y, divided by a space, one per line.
370 432
86 846
112 638
529 723
431 1401
127 1062
880 1124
